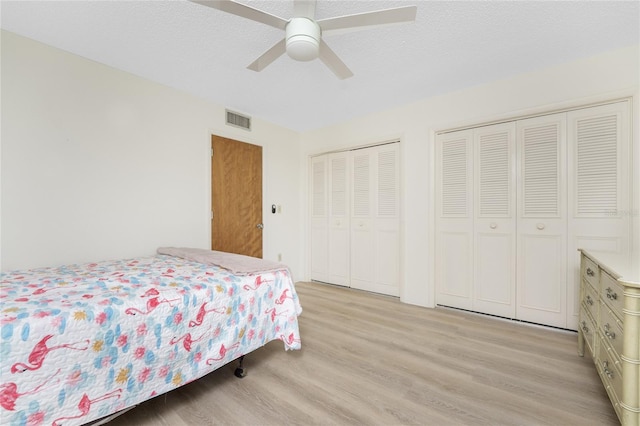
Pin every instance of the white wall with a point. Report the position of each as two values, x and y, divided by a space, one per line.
606 76
97 163
100 164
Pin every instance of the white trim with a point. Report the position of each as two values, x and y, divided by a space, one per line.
545 109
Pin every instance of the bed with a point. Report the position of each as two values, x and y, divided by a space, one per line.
82 342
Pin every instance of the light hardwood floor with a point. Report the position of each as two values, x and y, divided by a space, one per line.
368 359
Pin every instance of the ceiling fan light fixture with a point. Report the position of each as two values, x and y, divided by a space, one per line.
303 39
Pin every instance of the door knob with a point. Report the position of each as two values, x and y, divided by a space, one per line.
260 226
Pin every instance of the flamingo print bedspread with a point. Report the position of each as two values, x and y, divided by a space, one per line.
84 341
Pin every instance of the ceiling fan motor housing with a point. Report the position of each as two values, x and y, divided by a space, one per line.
303 39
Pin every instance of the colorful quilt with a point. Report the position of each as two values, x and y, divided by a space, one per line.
84 341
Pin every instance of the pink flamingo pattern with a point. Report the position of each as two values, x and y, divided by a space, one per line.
9 392
280 300
85 405
257 283
187 340
202 312
290 340
152 303
112 344
39 353
273 313
222 352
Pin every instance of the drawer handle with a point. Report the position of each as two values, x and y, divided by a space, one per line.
589 300
611 295
605 369
493 225
590 272
610 334
585 329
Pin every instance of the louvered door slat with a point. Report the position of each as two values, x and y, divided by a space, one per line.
361 196
319 204
494 175
387 183
597 166
540 171
339 186
454 178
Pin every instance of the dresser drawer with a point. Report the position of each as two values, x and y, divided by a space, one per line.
612 293
590 299
590 271
588 329
609 370
611 329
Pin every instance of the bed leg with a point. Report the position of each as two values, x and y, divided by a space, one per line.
240 373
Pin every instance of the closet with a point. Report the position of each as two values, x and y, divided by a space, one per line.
516 200
355 218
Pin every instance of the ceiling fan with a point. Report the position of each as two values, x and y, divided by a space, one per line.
303 34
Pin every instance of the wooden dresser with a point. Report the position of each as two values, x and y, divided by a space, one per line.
609 326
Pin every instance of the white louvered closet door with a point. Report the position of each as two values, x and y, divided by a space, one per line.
494 282
542 220
319 219
599 179
375 219
338 228
454 219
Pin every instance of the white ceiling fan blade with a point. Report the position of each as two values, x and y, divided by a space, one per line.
244 12
334 63
306 8
269 56
368 19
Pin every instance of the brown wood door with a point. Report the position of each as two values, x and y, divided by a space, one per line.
236 197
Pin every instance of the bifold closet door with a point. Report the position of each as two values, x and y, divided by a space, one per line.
494 283
319 220
375 219
542 220
454 227
338 227
476 227
599 186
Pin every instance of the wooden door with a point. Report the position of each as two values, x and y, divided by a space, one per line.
236 197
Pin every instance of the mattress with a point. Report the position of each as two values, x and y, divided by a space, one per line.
80 342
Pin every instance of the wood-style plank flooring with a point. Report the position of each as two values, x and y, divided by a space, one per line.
370 360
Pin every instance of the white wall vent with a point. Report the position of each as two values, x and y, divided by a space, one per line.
238 120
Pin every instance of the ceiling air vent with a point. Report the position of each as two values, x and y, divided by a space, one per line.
238 120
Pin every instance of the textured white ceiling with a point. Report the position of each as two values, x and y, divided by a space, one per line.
452 45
